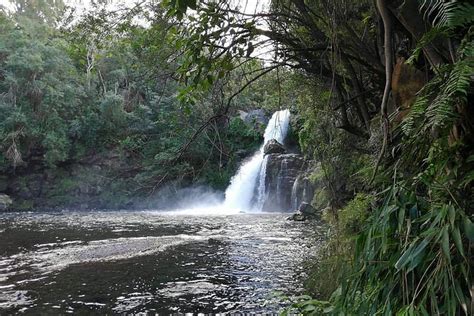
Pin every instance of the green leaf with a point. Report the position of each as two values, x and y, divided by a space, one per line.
468 228
192 4
452 215
309 308
404 259
445 243
457 240
418 254
460 295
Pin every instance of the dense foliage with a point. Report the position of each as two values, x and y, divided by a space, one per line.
404 65
90 114
383 93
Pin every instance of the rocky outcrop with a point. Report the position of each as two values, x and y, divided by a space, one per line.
297 217
305 212
273 147
256 119
90 183
5 202
302 190
282 170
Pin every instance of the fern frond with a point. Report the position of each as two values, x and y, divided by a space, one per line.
427 38
417 111
458 14
459 79
429 7
450 14
441 112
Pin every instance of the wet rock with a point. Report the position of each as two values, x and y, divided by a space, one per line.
297 217
3 183
273 147
281 173
5 202
215 241
302 190
307 210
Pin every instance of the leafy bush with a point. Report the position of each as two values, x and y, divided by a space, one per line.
353 216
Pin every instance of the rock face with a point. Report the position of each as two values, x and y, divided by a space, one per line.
307 210
282 170
255 119
5 202
302 191
273 147
82 185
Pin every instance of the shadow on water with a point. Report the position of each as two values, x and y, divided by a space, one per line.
132 262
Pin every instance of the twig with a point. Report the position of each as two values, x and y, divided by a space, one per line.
196 134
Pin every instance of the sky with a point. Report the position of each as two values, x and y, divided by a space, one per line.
81 6
250 5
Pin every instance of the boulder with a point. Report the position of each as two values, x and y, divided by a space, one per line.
297 217
273 147
307 210
5 202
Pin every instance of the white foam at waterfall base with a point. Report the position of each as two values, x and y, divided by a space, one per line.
242 195
242 189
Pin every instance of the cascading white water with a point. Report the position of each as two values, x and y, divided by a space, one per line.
294 193
241 191
261 191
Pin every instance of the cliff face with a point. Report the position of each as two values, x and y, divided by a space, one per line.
286 185
97 181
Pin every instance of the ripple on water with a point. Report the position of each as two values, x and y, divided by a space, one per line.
138 262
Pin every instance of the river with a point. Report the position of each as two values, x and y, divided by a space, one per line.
107 262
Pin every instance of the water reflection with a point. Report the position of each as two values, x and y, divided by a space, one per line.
116 262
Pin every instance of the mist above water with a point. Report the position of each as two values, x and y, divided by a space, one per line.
246 192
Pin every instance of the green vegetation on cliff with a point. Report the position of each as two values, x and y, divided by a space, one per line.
90 116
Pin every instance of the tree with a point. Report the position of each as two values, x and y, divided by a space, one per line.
411 256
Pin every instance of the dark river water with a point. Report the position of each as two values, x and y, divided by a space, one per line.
144 262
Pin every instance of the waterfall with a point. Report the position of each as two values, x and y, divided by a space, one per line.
294 194
261 193
242 189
